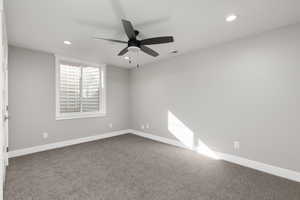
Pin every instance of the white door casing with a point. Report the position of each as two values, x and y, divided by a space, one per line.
3 100
5 89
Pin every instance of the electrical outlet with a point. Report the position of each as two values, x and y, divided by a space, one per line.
236 145
110 125
45 135
147 126
142 127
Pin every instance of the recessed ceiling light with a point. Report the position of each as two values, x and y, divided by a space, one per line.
67 42
126 58
231 18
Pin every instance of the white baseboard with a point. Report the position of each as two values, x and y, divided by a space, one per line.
158 138
270 169
277 171
56 145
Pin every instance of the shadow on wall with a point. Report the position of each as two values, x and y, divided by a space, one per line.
187 137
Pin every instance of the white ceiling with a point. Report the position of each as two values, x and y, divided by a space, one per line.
45 24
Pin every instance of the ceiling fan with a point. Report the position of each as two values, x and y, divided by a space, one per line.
133 44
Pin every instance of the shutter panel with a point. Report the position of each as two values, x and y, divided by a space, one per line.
80 90
69 90
90 89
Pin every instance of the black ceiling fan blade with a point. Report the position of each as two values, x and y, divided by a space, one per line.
157 40
129 30
111 40
149 51
123 51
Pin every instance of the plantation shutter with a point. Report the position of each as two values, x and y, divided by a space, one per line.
81 89
69 89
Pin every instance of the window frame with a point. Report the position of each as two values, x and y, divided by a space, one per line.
102 93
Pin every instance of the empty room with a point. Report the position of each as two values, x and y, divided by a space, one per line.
150 100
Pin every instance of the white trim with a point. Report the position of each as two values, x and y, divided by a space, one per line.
270 169
158 138
102 107
30 150
80 115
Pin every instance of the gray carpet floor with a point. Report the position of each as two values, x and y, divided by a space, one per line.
129 167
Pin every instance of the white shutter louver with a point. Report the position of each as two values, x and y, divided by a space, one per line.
80 90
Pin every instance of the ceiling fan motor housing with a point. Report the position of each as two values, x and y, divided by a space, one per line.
134 43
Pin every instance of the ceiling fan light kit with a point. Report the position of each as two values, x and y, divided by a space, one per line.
133 49
135 45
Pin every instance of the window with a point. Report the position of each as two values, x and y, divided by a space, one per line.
80 89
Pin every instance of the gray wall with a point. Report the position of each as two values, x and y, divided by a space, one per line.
32 102
247 90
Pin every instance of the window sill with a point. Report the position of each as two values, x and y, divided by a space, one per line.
79 116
